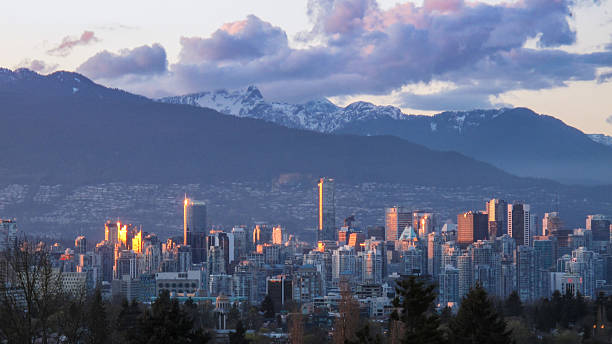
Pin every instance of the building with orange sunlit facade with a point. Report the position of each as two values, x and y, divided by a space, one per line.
137 242
277 235
472 226
396 219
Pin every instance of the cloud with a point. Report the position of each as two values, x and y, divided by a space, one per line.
144 60
38 66
69 42
242 40
609 120
355 47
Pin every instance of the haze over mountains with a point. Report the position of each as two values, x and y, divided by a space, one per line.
517 140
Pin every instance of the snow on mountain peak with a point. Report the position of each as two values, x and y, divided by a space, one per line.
321 114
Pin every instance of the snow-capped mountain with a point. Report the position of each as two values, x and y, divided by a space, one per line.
601 138
515 139
318 115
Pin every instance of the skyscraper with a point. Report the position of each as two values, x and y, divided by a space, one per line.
551 223
396 219
600 226
194 229
80 245
327 210
497 211
471 227
111 229
519 223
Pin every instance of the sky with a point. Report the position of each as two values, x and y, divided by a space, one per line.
553 56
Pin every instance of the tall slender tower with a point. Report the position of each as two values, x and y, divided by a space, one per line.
497 209
327 210
194 230
519 223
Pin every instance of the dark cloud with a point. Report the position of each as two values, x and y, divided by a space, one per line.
69 42
354 47
38 66
609 120
144 60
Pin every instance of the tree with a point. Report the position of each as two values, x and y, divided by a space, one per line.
364 336
415 312
70 319
96 322
267 307
477 321
234 316
29 302
513 307
238 337
346 324
167 323
296 327
127 324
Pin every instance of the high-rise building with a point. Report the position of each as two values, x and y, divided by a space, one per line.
472 226
306 284
8 234
497 211
280 290
434 254
551 223
195 228
80 245
125 264
277 235
343 264
243 281
527 273
110 231
423 223
396 219
519 223
261 233
241 244
107 257
327 210
466 274
449 286
600 226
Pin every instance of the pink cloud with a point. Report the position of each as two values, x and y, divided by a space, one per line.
69 42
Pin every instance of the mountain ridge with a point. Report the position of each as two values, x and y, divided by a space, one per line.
97 134
555 150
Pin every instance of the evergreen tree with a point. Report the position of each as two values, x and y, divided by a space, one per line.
420 323
127 324
513 307
96 322
364 336
477 321
167 323
238 337
267 307
234 316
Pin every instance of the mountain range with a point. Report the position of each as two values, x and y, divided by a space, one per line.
63 128
516 140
